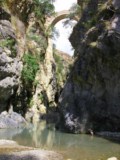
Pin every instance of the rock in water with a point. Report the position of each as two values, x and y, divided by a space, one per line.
11 120
32 155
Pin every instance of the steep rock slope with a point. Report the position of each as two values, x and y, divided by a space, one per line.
10 65
63 65
23 52
90 100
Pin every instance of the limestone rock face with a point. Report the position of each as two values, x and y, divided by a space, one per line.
10 65
90 99
51 77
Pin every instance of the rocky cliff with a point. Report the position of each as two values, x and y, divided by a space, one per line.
90 100
29 71
10 64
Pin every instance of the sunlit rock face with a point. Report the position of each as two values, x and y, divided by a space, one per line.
90 100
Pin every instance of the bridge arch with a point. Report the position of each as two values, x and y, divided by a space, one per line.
51 21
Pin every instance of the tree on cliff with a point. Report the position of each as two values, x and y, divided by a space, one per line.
23 9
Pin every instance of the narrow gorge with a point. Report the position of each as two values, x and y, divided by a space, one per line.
40 84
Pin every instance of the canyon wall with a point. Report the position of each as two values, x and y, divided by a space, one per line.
29 70
90 100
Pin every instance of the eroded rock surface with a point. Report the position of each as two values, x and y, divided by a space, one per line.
90 100
10 65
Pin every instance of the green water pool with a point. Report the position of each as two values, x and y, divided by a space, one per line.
71 146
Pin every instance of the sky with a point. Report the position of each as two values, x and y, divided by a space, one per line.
62 43
63 4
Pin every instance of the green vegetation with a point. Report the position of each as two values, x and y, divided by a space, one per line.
10 44
92 21
41 97
39 39
2 1
31 102
31 65
42 8
7 43
62 69
60 66
75 10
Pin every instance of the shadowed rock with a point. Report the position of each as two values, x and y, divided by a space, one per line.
91 97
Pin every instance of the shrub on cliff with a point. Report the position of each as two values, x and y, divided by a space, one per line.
30 68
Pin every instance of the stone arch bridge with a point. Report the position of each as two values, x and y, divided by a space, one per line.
51 21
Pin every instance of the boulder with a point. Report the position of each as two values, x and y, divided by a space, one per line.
32 155
11 120
11 150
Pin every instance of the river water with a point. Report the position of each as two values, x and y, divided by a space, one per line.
71 146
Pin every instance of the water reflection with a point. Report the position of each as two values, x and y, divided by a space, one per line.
9 133
75 147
